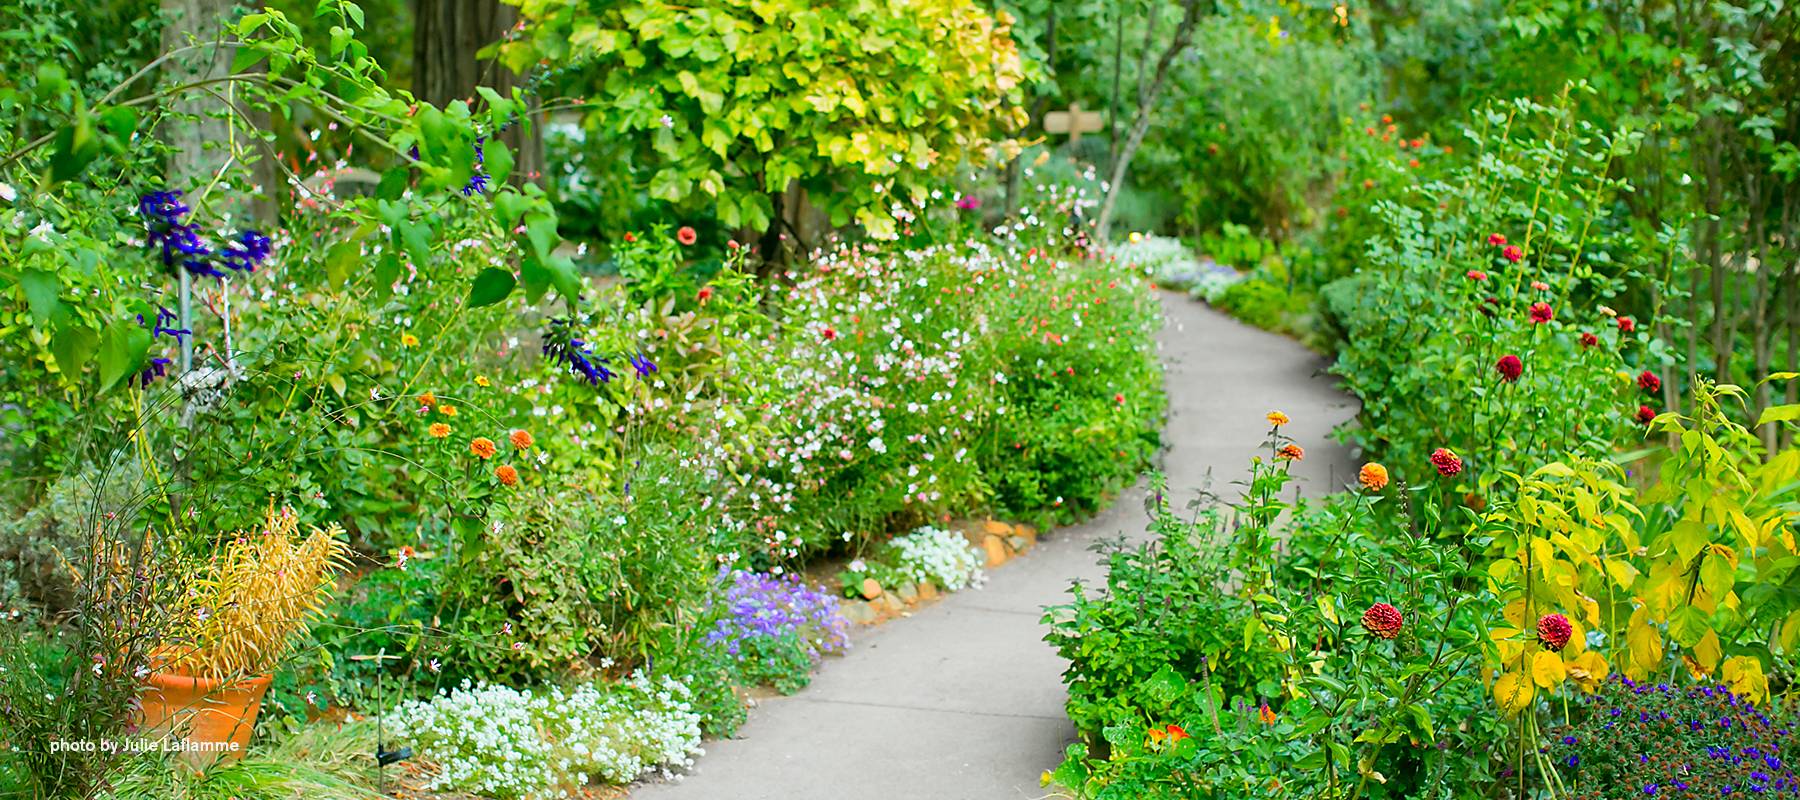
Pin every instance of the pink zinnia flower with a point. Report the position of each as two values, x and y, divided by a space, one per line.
1513 253
1496 240
1383 620
1447 462
686 235
1553 631
1542 313
1477 275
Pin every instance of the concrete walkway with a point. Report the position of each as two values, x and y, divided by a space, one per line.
964 701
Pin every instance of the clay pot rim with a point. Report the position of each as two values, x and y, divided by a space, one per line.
175 680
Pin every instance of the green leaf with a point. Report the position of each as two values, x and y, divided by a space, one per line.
1687 625
340 260
73 348
497 159
1784 413
76 147
490 287
123 346
1717 575
40 288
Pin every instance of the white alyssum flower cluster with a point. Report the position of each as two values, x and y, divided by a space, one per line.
512 744
940 556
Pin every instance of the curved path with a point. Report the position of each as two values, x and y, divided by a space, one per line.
964 701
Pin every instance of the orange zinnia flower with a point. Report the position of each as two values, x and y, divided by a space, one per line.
1290 452
447 410
482 447
428 399
521 439
1278 419
1373 477
507 475
438 430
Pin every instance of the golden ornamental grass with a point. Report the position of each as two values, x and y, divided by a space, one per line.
240 614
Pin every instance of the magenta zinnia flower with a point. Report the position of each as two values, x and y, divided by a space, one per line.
1542 313
1510 368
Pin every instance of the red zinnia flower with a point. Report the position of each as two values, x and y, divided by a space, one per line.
1626 325
1447 462
1290 452
1541 313
829 334
1513 253
1383 620
1119 398
1553 631
1496 240
1645 414
686 235
1648 381
1589 340
629 238
1510 368
705 294
1477 275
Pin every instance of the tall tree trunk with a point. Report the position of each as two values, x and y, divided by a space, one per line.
197 128
446 36
1147 96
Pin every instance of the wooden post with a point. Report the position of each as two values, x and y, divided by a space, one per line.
1073 122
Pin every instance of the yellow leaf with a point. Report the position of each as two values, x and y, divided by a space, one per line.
1515 614
1645 642
1547 669
1328 608
1707 652
1513 692
1744 676
1588 671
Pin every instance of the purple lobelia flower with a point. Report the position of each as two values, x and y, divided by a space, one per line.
765 606
561 346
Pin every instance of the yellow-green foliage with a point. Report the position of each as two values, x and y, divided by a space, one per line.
239 613
861 103
1683 572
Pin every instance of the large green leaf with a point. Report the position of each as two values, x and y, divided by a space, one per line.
123 346
490 287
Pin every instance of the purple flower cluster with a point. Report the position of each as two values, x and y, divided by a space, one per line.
1656 740
164 325
167 228
560 345
762 606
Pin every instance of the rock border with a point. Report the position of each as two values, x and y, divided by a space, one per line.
997 541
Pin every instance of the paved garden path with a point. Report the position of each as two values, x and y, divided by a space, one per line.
964 701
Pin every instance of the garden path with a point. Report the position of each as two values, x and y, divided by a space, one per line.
964 701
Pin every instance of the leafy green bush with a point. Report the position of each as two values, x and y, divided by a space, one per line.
1479 322
1157 643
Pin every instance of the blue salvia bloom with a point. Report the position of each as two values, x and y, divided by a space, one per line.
560 345
164 325
247 252
644 366
479 181
158 367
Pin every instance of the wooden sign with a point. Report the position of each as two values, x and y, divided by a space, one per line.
1073 122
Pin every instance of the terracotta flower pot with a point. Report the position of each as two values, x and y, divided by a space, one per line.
211 720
